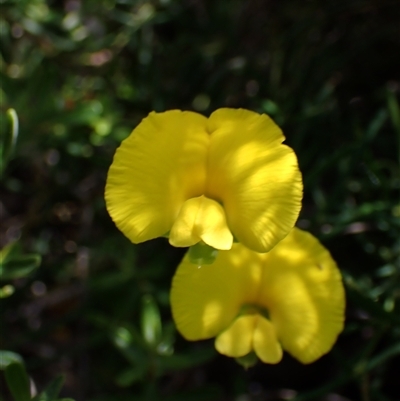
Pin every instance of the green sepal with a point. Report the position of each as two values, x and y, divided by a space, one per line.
202 254
247 361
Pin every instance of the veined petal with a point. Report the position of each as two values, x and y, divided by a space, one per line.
302 289
159 166
205 300
265 342
254 176
201 219
237 339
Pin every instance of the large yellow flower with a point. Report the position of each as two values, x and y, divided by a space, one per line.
290 298
205 179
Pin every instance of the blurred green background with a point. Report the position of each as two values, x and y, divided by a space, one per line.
79 299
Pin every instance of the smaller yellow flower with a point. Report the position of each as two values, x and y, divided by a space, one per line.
291 298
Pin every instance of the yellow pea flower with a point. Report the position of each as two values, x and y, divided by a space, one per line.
206 180
290 298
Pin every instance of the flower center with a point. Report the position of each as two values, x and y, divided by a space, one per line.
252 309
201 219
247 333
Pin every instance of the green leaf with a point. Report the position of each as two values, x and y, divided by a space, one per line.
150 321
394 109
184 361
9 142
373 308
122 337
16 266
131 345
130 376
376 124
6 291
18 382
20 266
270 107
51 391
388 353
9 250
166 345
8 357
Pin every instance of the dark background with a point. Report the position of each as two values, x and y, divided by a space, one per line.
82 74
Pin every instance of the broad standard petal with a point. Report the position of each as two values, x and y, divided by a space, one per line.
254 176
159 166
302 290
205 300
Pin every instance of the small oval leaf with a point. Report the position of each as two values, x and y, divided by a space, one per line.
8 357
151 321
18 381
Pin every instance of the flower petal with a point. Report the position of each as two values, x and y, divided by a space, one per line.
303 292
237 339
254 176
201 219
297 282
265 342
159 166
248 333
205 300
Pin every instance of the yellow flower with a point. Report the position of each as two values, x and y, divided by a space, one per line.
205 179
290 298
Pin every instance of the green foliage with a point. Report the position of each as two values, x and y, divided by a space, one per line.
8 143
8 357
88 304
50 393
15 265
150 321
18 382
